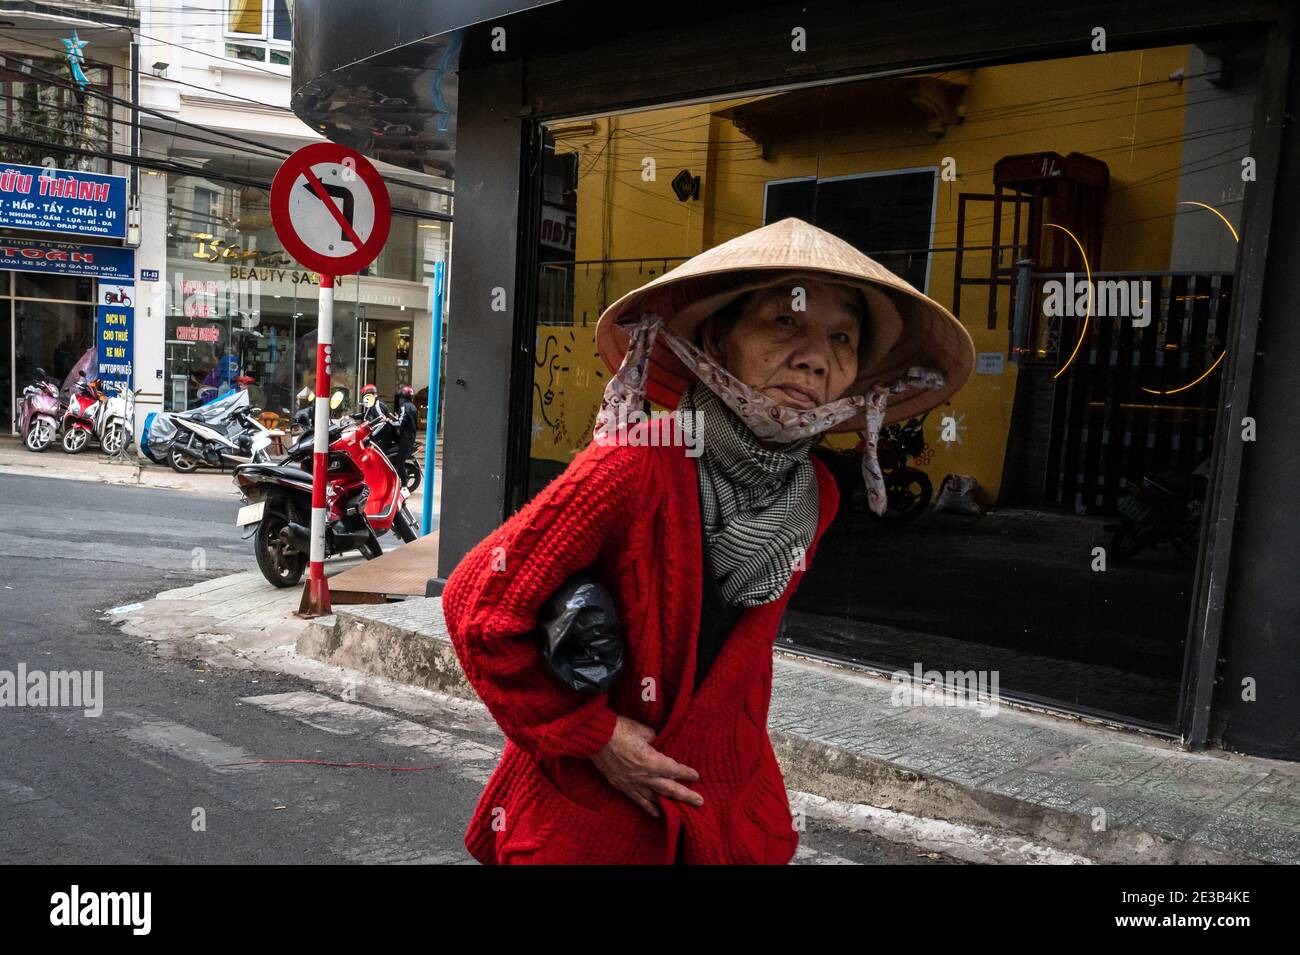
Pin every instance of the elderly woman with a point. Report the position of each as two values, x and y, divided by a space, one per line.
761 343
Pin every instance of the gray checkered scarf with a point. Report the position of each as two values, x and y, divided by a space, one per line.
759 505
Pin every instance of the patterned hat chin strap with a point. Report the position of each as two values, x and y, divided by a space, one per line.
768 419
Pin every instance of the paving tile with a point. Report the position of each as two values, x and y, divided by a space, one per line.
1053 792
1241 834
1274 800
1195 782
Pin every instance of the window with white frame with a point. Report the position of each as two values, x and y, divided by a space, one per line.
260 30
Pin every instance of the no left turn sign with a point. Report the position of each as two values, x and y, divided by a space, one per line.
330 209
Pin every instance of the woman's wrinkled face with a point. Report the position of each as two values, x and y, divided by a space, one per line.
798 358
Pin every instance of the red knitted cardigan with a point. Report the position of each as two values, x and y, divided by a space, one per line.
632 512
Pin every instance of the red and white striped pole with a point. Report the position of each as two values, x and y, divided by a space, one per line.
317 597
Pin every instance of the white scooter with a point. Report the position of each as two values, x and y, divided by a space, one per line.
223 433
116 425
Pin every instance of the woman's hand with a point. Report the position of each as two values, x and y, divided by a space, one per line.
639 771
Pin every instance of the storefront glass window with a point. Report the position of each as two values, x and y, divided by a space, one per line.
242 306
50 335
46 322
986 189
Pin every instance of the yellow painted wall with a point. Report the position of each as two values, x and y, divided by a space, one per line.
1020 108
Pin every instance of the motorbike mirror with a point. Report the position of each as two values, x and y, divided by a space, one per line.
40 373
336 399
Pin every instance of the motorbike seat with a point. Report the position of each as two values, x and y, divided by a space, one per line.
276 470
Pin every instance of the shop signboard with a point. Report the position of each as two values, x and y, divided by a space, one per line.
62 200
114 330
106 262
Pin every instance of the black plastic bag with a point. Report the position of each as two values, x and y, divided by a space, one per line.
582 639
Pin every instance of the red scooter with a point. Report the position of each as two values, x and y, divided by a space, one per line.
363 492
81 419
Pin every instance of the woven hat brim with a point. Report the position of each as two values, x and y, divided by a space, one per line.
928 334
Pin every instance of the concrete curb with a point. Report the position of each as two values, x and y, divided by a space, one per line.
387 650
422 655
836 774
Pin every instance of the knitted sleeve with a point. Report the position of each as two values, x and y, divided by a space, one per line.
492 599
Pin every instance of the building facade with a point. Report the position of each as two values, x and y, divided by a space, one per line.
229 300
1103 197
62 250
204 88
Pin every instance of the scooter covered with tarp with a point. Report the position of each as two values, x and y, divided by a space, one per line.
222 433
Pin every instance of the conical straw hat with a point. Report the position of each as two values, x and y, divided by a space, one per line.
904 326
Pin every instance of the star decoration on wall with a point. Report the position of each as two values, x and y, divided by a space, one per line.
74 45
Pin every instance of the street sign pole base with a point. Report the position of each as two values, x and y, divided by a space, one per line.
315 599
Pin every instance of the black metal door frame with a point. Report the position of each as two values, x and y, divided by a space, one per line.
1206 629
527 258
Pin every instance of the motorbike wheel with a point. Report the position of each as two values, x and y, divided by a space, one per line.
39 437
114 439
411 476
908 495
181 464
281 568
404 525
75 440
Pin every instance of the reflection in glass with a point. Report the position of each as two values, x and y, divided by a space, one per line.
989 189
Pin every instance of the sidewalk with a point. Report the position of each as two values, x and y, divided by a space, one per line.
93 465
1088 791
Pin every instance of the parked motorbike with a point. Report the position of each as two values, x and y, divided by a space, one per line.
412 474
222 433
907 489
115 427
39 412
365 498
81 418
386 439
1165 507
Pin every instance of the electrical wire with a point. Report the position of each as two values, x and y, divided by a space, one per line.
164 166
56 80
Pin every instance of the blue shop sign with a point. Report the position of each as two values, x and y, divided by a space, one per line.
60 258
62 200
114 329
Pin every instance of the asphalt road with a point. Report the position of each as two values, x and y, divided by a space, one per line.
152 778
